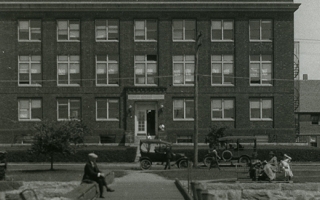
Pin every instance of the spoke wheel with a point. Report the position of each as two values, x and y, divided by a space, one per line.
145 164
244 160
183 164
207 161
226 155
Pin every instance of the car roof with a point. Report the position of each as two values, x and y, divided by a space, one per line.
233 138
153 141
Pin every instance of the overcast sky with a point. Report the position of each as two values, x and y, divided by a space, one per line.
307 32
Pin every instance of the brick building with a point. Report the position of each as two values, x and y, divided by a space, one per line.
127 67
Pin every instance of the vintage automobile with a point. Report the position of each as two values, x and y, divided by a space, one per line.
232 149
153 150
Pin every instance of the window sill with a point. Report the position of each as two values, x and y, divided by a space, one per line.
183 120
61 120
108 85
107 40
77 41
222 85
261 85
224 120
145 41
261 120
146 85
228 41
68 85
183 85
263 41
183 40
105 120
29 120
30 85
29 41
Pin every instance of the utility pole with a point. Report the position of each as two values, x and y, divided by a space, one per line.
195 134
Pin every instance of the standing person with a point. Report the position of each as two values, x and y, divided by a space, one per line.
284 164
92 173
215 158
168 153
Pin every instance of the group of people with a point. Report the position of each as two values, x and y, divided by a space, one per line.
267 170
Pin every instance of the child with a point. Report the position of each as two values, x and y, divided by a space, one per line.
284 164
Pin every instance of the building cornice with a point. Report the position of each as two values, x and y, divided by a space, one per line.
190 6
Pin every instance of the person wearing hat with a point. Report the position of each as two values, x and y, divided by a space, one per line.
92 173
271 166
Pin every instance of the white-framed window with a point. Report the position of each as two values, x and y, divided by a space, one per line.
107 109
107 70
145 30
29 30
68 30
107 30
261 30
184 30
222 109
29 70
68 70
183 109
261 109
222 70
261 70
68 109
145 70
183 70
29 109
222 30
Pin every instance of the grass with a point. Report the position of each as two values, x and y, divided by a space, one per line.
301 175
43 173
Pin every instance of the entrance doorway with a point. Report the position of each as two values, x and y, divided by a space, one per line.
145 118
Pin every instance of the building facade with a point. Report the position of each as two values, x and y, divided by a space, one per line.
126 68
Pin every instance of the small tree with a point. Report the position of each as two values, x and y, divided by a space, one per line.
58 137
214 134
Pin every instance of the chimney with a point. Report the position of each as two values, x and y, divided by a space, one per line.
305 77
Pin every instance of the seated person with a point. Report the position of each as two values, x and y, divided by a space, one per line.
270 168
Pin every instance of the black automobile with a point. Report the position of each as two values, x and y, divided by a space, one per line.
153 150
232 149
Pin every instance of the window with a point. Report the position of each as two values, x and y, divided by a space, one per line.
107 70
145 69
107 30
261 109
222 109
183 109
29 30
107 109
145 30
260 30
183 70
261 70
184 30
68 109
69 70
222 30
68 30
29 70
30 109
222 70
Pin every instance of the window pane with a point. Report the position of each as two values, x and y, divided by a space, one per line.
62 25
189 73
113 109
177 58
228 73
178 109
267 109
255 108
101 35
216 74
74 109
178 30
63 111
255 29
266 58
266 74
152 30
189 109
228 109
216 35
102 109
266 28
178 73
62 74
254 74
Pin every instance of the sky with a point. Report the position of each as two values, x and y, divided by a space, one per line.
307 32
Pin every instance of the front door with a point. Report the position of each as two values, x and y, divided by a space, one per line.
145 119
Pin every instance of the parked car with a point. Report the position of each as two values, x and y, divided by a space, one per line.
232 149
153 150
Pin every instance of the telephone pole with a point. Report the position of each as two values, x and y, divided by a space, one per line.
195 134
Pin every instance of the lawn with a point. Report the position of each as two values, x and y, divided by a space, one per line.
60 173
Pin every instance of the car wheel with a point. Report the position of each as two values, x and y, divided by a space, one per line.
145 164
226 155
183 164
244 160
207 161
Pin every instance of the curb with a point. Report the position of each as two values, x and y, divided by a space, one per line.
182 190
